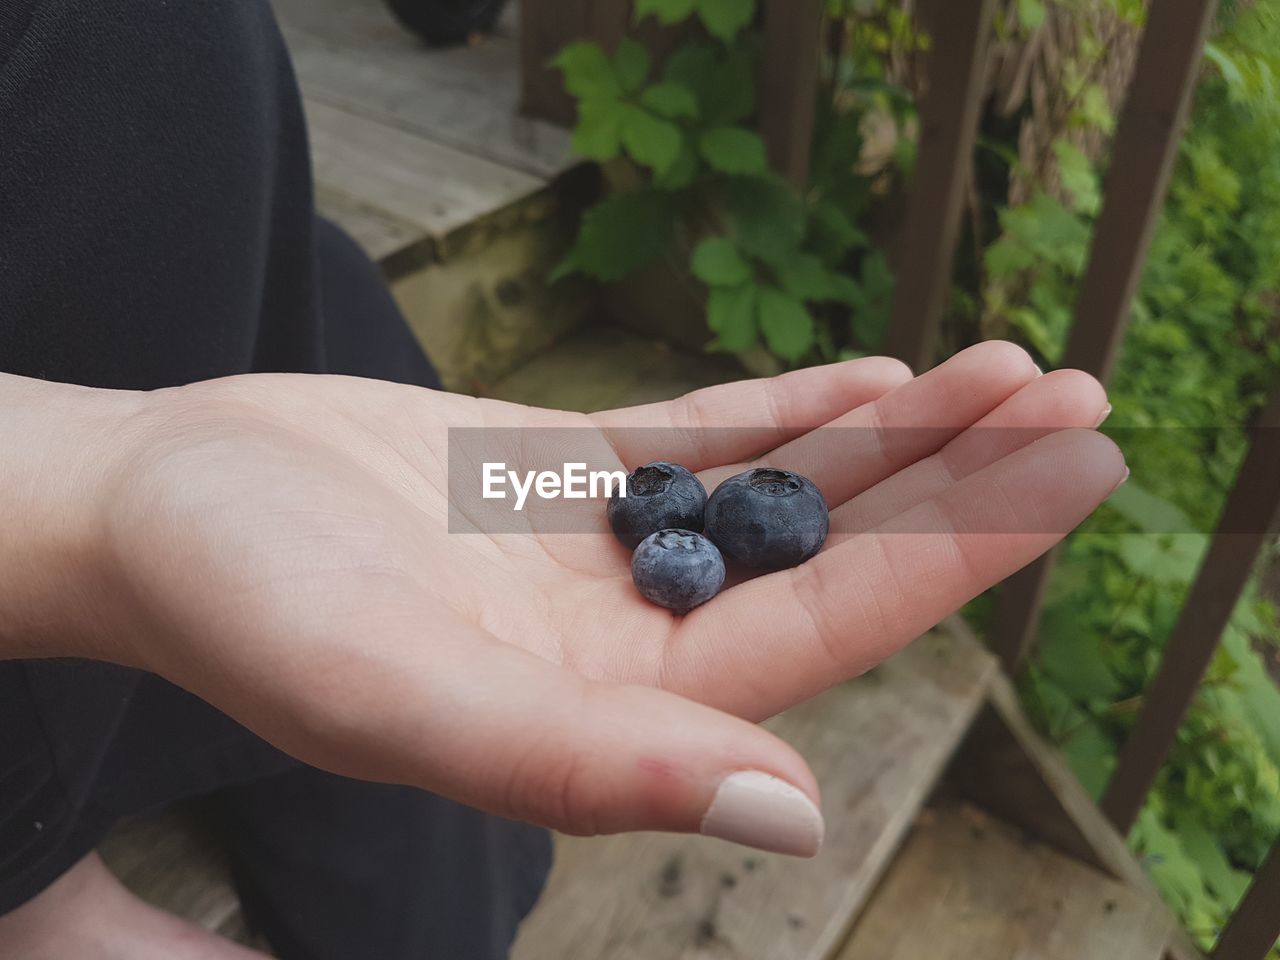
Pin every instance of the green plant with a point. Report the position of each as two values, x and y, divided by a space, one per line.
779 264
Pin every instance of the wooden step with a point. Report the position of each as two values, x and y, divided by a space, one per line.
169 860
877 745
969 886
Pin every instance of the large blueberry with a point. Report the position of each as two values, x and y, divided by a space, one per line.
660 496
768 519
677 569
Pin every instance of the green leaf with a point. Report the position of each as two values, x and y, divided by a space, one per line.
1149 513
724 18
598 133
1078 178
786 324
587 71
649 140
1074 659
621 234
765 215
832 231
731 315
717 263
1092 756
723 80
1031 13
683 170
733 150
631 62
803 276
667 11
670 100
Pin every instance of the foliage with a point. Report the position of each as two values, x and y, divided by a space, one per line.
781 265
799 271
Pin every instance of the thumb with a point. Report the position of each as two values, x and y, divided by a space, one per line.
504 730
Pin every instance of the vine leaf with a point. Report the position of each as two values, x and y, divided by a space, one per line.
682 171
724 18
598 134
731 315
717 263
587 71
733 150
804 276
765 215
670 100
631 63
786 324
667 11
621 234
650 140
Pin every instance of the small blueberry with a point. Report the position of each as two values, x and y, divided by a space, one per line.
660 496
677 569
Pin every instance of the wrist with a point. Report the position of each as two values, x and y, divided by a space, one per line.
63 449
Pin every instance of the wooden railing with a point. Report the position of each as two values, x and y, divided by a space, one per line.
1146 144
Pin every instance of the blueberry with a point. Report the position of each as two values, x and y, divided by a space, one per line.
768 519
677 569
660 496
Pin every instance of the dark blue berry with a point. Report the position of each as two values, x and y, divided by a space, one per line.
677 569
660 496
767 519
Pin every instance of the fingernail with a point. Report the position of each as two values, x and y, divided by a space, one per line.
1039 372
1106 412
762 811
1119 483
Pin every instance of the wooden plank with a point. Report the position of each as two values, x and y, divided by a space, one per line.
789 84
876 745
170 863
949 116
1255 927
1146 145
381 233
1007 768
1251 508
404 176
545 27
351 54
969 886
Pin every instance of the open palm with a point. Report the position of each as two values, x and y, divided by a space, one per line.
281 546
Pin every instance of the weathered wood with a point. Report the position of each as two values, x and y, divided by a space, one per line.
1146 145
407 177
949 114
789 84
876 745
1251 508
351 54
169 862
1255 926
545 27
1007 768
967 886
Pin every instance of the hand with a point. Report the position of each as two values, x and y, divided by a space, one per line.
278 545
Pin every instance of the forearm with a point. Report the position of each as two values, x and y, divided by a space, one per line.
59 448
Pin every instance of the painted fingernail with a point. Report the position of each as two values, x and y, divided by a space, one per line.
1106 412
759 810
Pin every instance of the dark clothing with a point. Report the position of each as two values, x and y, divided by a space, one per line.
157 228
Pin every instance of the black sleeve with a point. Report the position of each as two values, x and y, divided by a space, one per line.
156 217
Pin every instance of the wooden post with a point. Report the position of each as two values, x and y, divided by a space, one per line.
789 84
545 27
949 114
1252 507
1255 926
1146 145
